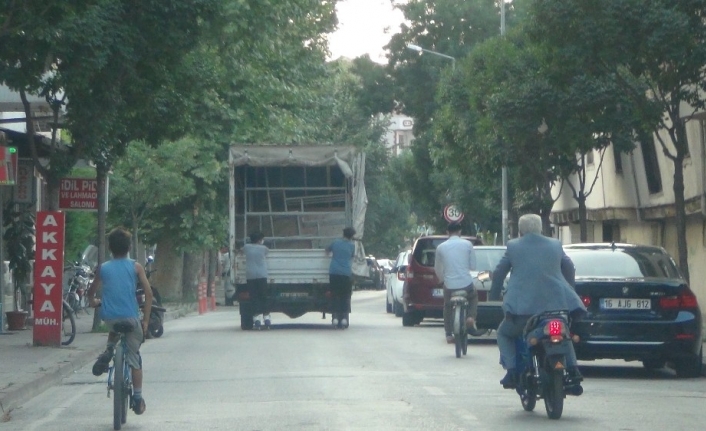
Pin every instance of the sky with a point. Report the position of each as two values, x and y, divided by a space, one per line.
365 26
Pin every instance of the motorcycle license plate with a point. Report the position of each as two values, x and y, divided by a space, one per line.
437 293
625 304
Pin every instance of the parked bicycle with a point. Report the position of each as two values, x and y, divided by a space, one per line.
459 301
120 377
68 324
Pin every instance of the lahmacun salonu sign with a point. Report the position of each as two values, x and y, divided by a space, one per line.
79 194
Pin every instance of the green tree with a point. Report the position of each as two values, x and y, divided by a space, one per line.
452 28
655 53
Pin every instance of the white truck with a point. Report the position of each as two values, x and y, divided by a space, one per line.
301 198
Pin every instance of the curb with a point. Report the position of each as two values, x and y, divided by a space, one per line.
17 397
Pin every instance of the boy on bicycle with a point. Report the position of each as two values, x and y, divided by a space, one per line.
118 279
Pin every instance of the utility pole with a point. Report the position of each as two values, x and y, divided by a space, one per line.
504 167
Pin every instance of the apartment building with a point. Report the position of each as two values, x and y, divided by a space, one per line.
633 201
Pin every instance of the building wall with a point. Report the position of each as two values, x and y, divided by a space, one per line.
399 136
639 223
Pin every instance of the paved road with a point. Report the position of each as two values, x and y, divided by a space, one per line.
207 374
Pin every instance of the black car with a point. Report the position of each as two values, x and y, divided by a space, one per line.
639 307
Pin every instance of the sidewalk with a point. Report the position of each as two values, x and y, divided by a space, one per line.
26 371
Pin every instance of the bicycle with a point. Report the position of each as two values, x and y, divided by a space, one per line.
459 301
68 324
120 376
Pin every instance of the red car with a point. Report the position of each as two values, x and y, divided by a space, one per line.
423 293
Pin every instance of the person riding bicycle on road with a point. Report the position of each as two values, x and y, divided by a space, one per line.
453 262
118 279
541 280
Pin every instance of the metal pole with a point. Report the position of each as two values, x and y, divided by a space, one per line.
504 168
2 267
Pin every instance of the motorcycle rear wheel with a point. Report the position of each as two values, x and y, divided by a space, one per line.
554 394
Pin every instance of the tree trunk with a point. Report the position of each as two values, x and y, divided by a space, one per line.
582 217
193 265
680 215
169 265
101 175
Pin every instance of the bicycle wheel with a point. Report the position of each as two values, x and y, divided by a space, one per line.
464 332
119 395
458 314
68 325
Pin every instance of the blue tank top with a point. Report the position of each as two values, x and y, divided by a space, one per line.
119 281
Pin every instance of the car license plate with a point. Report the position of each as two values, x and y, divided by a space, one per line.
625 304
437 293
297 295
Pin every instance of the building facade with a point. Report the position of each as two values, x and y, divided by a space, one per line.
398 136
633 201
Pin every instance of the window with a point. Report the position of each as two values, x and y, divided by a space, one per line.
589 157
611 231
618 159
649 157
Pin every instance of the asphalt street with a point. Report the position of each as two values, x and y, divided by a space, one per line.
207 374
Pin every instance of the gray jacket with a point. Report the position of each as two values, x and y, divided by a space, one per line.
541 280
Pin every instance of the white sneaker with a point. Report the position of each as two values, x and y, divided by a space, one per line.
344 323
335 322
268 320
258 321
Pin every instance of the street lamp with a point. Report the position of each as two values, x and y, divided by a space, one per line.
418 48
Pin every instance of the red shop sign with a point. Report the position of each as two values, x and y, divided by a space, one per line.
48 275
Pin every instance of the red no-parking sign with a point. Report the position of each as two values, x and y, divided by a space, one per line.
453 214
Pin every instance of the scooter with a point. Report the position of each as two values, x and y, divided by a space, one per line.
155 327
541 361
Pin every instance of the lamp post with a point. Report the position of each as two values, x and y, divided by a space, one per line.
418 48
504 167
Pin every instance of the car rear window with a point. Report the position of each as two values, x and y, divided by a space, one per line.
488 258
621 263
425 249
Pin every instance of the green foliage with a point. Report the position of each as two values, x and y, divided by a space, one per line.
79 232
18 237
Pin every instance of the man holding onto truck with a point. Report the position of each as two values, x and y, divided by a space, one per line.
256 275
342 251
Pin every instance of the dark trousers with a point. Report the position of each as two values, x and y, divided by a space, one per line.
259 295
341 291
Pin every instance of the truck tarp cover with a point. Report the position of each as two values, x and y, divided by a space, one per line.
348 159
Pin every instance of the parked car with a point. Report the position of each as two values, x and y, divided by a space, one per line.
374 278
423 295
639 307
395 284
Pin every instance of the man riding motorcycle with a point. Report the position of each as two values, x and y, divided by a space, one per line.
542 280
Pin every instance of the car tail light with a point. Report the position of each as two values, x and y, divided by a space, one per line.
586 301
401 276
408 276
685 299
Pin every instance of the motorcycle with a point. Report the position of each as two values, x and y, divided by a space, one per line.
78 278
155 327
541 361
